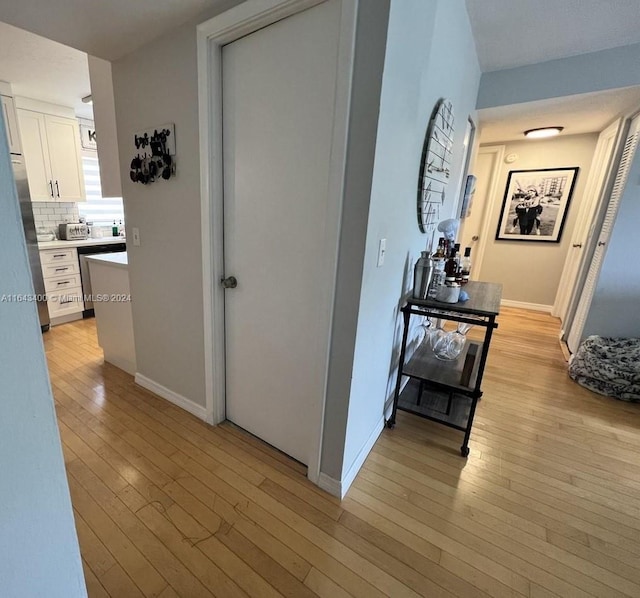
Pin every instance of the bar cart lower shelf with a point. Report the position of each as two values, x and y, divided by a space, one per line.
446 408
447 392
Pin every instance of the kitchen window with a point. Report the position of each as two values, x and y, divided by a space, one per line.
102 211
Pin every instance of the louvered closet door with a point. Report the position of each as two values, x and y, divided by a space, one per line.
580 318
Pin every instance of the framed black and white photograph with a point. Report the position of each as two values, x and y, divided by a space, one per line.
535 204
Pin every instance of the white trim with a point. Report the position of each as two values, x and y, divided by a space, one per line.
525 305
211 36
490 198
347 478
599 173
330 485
340 488
44 107
173 397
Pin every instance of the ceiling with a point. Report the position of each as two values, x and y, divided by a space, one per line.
511 33
108 29
508 33
45 70
585 113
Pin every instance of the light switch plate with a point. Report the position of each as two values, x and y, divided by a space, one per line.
136 236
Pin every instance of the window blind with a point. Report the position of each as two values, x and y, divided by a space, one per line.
102 211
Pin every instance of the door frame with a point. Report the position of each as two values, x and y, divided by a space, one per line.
497 151
212 35
602 165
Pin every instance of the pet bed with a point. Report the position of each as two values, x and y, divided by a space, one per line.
609 366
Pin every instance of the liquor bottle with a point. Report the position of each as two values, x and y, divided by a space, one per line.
458 258
465 265
438 276
451 266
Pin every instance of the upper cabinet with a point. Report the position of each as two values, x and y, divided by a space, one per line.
52 154
11 124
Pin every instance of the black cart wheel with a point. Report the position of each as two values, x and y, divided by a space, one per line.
464 451
389 424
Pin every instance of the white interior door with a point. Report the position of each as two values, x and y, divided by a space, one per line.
580 241
279 88
474 229
582 311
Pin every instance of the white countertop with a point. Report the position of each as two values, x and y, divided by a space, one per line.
80 243
118 260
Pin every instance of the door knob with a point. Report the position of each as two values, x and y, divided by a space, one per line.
230 282
577 244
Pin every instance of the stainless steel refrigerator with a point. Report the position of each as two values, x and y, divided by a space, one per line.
24 197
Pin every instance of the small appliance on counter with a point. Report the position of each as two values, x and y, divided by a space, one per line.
73 231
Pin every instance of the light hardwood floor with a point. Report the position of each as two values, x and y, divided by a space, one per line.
548 503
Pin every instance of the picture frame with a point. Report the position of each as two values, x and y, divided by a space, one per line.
535 204
467 197
88 137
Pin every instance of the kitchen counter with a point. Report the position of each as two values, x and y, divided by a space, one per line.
112 306
81 243
118 260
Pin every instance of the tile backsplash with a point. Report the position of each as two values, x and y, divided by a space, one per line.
49 214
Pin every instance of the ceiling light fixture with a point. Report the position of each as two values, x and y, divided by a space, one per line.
87 99
543 132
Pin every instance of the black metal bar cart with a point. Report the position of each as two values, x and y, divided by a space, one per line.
447 392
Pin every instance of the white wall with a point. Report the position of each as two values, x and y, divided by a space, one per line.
529 271
165 271
104 115
155 85
430 55
595 71
614 308
39 554
369 61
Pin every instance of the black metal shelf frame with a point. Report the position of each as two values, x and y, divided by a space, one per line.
480 318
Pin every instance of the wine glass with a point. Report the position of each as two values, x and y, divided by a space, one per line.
437 332
451 344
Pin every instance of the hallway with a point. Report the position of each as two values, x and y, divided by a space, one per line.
548 503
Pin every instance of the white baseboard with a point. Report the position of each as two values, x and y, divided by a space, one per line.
173 397
339 488
330 485
525 305
347 479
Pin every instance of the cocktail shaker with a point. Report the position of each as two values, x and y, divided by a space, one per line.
422 273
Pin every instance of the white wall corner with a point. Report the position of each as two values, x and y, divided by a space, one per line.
173 397
352 472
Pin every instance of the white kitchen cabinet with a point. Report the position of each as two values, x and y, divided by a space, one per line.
11 124
62 282
52 154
